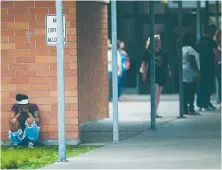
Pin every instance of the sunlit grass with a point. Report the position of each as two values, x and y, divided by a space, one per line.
24 158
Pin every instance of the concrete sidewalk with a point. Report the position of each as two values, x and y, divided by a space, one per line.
134 118
194 142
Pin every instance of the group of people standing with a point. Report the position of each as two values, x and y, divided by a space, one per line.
201 61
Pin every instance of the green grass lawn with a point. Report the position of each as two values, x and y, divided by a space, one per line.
24 158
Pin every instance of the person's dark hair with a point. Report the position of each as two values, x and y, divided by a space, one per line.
20 97
25 97
188 40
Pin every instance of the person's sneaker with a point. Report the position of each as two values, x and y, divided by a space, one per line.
30 145
212 108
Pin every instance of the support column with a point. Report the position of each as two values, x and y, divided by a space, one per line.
138 44
218 14
218 27
152 81
180 27
198 21
206 17
60 81
114 73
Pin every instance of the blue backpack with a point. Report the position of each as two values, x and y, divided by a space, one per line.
124 62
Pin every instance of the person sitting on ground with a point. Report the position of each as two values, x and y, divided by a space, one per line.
24 122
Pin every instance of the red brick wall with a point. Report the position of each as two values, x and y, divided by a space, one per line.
92 21
30 67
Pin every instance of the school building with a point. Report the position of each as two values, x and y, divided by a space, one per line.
28 59
28 63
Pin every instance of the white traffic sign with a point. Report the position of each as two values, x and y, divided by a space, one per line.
51 34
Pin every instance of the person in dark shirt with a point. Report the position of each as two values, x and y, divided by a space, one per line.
24 122
207 48
162 68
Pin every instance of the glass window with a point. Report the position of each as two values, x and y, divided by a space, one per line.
126 7
143 7
213 21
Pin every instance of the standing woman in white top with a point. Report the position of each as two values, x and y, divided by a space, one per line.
119 63
191 67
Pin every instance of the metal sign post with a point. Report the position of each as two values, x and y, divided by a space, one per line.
180 27
218 27
198 20
114 74
206 12
152 82
60 81
218 14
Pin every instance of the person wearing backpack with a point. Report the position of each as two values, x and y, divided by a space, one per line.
125 61
119 63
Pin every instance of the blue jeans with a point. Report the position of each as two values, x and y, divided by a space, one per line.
120 83
30 134
110 86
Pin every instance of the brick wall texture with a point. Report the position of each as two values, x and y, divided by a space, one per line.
29 67
92 22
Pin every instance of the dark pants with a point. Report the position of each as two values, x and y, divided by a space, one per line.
218 75
189 90
111 86
204 91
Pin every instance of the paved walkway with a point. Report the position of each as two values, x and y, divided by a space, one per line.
134 117
194 142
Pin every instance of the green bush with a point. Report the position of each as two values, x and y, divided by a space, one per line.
24 158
